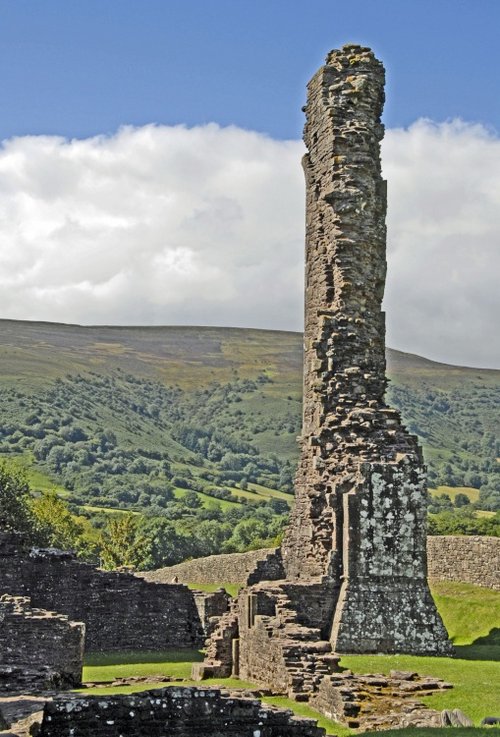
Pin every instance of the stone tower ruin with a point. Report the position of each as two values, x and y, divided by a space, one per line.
360 511
351 574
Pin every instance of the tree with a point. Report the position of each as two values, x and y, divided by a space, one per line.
54 523
164 545
15 513
122 543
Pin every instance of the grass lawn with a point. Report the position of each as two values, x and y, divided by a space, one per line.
452 491
469 612
107 667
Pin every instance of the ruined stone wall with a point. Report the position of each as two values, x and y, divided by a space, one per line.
187 712
473 560
118 608
210 608
450 558
38 649
225 568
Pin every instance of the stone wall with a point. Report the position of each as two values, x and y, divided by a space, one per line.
359 517
38 649
187 712
225 568
464 558
473 560
121 611
210 608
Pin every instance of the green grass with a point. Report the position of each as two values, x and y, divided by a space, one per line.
271 493
469 612
303 710
452 491
206 500
37 479
231 588
476 683
107 667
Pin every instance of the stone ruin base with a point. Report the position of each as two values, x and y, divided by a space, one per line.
39 650
270 637
377 702
186 712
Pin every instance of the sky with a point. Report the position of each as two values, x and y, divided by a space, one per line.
150 162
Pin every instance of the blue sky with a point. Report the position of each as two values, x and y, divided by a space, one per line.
77 68
150 162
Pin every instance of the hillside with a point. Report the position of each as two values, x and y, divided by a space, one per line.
146 418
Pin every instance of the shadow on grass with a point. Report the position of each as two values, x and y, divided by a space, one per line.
143 656
434 732
484 648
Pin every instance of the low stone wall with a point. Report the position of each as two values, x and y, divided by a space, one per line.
225 568
38 649
121 611
189 712
469 559
464 558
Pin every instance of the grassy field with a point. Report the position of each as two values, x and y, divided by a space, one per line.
452 491
471 614
476 683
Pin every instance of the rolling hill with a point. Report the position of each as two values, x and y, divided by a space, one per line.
141 417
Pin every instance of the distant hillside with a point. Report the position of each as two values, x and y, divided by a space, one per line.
140 417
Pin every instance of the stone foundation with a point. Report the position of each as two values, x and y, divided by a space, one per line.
187 712
39 650
375 702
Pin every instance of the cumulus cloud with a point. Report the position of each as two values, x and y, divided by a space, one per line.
169 225
442 295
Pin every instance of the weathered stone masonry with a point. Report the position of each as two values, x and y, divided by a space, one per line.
473 560
38 649
187 712
360 513
113 606
466 558
351 574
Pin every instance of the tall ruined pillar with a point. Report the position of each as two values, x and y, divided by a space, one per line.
359 520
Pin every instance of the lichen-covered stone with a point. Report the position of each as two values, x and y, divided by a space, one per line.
187 712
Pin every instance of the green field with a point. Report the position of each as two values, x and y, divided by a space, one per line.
148 388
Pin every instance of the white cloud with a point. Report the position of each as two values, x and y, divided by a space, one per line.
442 294
168 225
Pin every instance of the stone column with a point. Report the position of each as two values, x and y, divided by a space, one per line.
360 513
